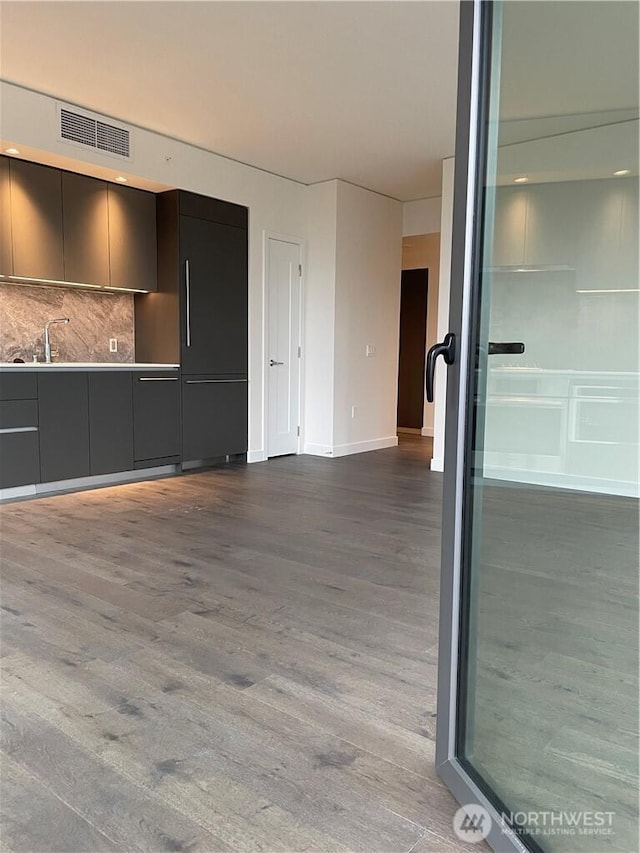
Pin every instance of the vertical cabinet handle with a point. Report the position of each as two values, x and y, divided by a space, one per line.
187 282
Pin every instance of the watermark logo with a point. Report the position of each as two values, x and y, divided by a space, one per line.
472 823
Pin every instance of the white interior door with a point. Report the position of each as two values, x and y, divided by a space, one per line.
283 346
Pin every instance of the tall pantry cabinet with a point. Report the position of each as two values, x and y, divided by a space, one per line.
199 317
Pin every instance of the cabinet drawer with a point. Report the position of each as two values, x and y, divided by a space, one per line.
214 419
19 459
18 386
19 414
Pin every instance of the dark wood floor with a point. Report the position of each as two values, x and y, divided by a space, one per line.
236 660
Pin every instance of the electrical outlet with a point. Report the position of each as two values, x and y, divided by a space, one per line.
371 351
113 345
354 411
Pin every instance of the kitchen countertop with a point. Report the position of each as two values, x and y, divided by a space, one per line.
86 365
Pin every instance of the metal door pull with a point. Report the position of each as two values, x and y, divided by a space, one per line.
447 349
505 348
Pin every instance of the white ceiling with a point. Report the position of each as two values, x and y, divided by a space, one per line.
363 91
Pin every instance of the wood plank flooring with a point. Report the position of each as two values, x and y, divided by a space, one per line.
237 660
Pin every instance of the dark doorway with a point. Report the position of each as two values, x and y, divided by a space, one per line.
413 340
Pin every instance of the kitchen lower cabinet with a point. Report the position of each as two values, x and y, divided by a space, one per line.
19 454
214 417
110 422
156 419
63 405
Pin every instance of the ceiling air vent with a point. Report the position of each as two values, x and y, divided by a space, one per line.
82 128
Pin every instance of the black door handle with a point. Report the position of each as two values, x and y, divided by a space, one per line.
447 349
506 348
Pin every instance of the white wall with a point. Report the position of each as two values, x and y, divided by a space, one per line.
276 204
368 262
319 321
421 217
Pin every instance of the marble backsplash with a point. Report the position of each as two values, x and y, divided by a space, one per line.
94 317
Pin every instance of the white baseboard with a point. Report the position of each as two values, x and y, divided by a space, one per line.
256 456
348 449
365 446
318 450
437 464
427 432
572 482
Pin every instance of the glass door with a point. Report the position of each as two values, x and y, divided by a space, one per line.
538 688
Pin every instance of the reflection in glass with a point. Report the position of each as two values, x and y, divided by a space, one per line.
553 481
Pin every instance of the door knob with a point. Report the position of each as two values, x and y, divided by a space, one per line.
447 349
273 363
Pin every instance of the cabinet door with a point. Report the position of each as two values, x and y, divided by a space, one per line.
85 229
110 422
132 238
19 460
6 253
63 404
156 419
36 221
214 417
213 271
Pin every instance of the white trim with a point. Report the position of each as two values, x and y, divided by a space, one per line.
349 449
256 456
558 480
437 465
301 244
365 446
427 431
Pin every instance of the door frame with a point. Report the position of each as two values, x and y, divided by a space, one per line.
301 244
474 66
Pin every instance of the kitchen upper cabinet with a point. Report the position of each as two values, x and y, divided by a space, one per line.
156 418
63 404
36 221
213 266
553 224
6 252
132 238
509 227
110 422
86 229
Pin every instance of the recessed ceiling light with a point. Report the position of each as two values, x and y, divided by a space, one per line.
11 151
121 179
622 172
521 180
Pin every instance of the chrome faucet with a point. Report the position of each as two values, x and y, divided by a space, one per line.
47 342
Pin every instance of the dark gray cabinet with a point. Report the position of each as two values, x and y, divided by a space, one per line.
132 238
214 417
202 318
156 418
110 422
36 221
19 457
6 252
61 226
214 307
85 229
63 404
